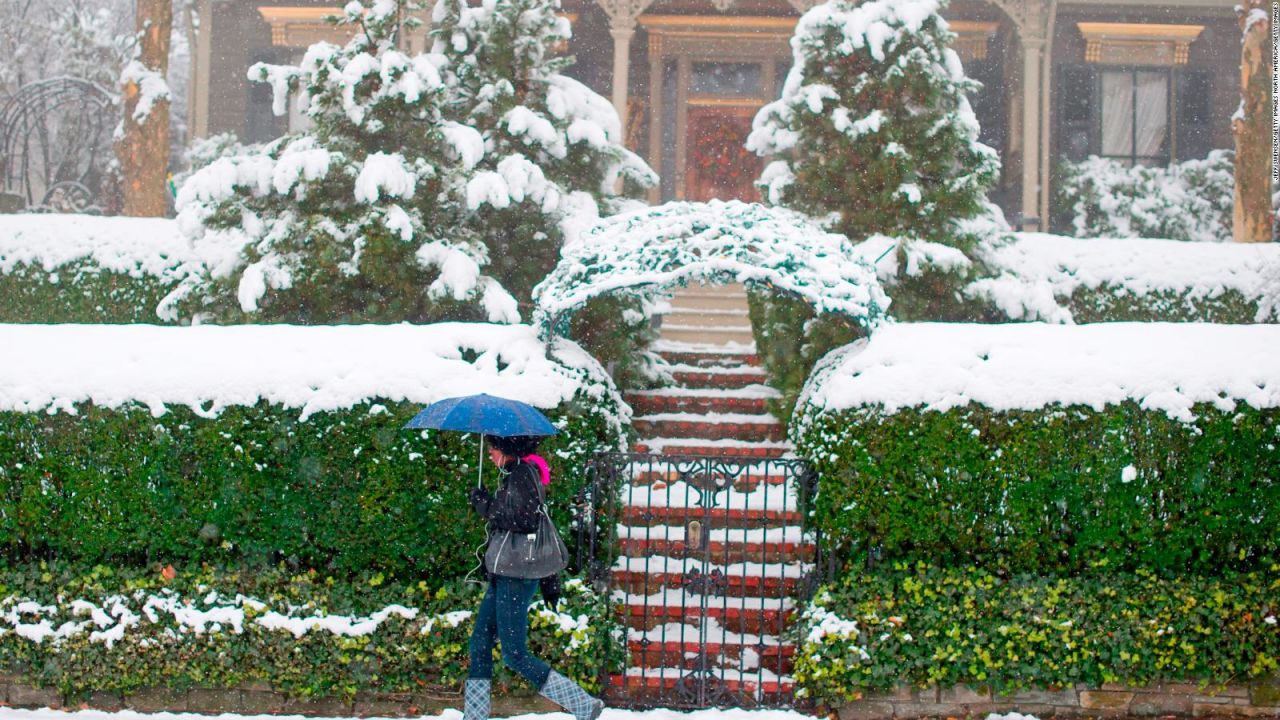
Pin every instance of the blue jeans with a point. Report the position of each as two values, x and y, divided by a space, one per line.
504 617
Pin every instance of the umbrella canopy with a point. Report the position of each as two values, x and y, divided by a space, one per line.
483 414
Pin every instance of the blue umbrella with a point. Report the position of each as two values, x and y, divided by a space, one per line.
483 414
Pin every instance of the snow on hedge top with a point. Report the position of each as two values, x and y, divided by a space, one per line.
318 368
1167 367
1037 268
649 251
138 247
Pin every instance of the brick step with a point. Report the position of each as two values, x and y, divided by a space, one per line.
735 586
721 552
750 691
701 334
775 659
739 620
767 429
715 518
718 377
708 358
648 404
748 481
709 448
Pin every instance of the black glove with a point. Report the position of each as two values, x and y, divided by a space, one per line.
480 499
550 587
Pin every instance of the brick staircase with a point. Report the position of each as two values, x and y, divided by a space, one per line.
715 583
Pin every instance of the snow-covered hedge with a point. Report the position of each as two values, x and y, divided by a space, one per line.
1036 276
303 633
1191 200
262 442
1051 448
88 268
925 625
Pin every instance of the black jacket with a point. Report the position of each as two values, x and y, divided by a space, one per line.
515 506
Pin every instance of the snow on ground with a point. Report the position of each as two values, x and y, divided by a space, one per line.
321 368
1024 366
609 714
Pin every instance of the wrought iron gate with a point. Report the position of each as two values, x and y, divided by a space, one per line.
704 560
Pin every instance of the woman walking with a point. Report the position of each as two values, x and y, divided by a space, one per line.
504 612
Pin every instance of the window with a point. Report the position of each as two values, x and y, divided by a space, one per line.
1136 116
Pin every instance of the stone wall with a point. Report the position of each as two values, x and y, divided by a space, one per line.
260 698
1260 699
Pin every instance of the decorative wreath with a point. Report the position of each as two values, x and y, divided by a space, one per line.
721 156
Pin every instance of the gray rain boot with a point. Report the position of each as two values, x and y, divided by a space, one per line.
475 699
566 693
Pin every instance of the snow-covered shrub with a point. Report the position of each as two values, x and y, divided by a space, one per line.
360 218
88 268
1035 276
647 253
256 443
553 157
873 133
927 625
305 634
1191 200
1050 449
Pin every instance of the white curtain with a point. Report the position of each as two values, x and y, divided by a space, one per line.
1152 120
1117 113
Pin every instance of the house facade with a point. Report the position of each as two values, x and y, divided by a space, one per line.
1141 81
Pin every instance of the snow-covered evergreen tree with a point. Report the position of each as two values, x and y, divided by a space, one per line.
361 218
554 160
873 132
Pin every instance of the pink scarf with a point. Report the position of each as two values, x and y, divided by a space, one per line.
543 469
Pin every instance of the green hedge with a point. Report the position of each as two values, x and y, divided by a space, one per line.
926 625
341 491
1109 303
1055 491
79 292
165 652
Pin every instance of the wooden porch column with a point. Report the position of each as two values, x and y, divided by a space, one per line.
622 29
1032 47
622 26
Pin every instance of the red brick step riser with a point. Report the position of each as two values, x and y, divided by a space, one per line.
695 450
708 430
720 552
718 656
717 380
650 404
735 586
650 515
711 359
639 616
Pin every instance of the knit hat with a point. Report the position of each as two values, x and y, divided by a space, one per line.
516 445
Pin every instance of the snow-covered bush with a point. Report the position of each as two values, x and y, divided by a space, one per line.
358 218
88 268
1191 200
255 443
647 253
302 633
1050 449
553 159
1035 276
873 133
926 625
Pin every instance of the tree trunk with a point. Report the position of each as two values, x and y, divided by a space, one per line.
143 148
1251 127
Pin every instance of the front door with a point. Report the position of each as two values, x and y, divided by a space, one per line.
717 163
